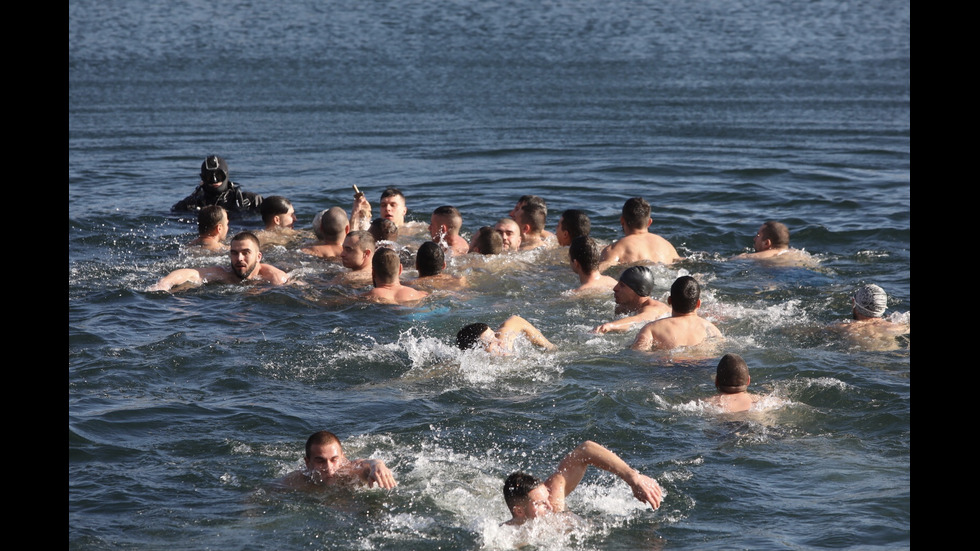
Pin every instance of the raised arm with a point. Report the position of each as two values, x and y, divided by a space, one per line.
360 213
572 469
515 325
374 471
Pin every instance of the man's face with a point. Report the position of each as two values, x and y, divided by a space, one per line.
626 298
287 220
436 230
564 237
760 242
245 256
538 503
393 208
510 234
326 460
516 210
352 255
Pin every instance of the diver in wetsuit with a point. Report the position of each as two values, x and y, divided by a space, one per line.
216 189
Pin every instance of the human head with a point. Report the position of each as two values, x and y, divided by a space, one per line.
385 267
488 241
277 211
636 213
430 259
525 200
212 220
446 220
586 251
510 233
572 223
334 224
324 454
732 375
471 335
383 229
214 173
685 295
358 248
870 301
393 206
318 224
771 235
532 218
526 496
245 254
639 279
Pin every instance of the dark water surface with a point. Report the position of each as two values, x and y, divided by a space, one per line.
183 407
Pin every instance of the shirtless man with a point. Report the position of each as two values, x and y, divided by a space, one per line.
583 255
486 241
334 226
531 200
510 233
771 242
632 294
638 244
531 219
430 261
684 327
528 498
326 465
869 329
393 206
732 381
356 255
246 267
501 342
212 228
571 224
386 271
444 228
278 216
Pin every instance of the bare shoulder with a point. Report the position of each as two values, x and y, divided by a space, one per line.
273 275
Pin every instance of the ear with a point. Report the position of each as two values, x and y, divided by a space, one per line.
346 229
698 305
260 256
277 220
399 269
669 302
649 221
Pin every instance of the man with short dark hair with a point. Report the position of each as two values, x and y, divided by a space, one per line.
501 342
638 244
486 241
571 224
246 267
326 465
684 327
633 296
732 381
393 206
386 271
771 244
531 219
430 261
583 255
216 189
212 228
356 255
528 498
444 228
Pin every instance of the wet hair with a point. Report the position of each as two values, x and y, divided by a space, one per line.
332 223
392 192
469 336
576 223
517 486
777 233
208 219
430 259
274 206
384 266
450 216
684 295
364 239
321 438
533 200
488 241
586 251
384 230
534 215
247 236
636 213
732 375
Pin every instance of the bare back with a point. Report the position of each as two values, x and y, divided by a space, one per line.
638 247
674 332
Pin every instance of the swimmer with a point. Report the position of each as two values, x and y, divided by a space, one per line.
356 255
632 294
868 329
212 228
528 498
510 234
732 381
531 200
444 228
531 219
334 226
571 224
278 216
501 342
326 465
486 241
771 244
638 244
383 229
216 189
393 206
583 256
684 327
430 261
386 269
246 267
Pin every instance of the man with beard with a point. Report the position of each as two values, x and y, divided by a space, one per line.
216 189
246 267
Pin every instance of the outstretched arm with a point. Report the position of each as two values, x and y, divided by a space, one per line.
572 469
178 277
515 325
374 471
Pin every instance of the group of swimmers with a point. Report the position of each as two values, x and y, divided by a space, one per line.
369 250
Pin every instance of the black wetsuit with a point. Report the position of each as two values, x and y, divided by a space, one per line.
232 199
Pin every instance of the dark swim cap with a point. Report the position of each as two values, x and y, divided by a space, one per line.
214 169
638 278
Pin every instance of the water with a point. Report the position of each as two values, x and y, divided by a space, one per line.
183 408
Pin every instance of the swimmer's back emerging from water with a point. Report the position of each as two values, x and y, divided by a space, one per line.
500 342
